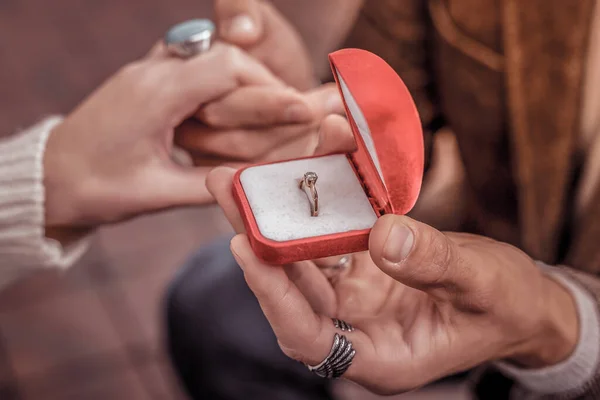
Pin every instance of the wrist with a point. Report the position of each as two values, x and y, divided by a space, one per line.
557 332
59 192
66 236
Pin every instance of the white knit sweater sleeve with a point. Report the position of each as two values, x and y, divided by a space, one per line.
23 245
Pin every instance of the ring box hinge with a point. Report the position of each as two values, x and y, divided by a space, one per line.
357 169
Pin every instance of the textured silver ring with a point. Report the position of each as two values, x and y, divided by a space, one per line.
337 361
342 325
190 38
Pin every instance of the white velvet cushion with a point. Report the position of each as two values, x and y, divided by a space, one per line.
282 210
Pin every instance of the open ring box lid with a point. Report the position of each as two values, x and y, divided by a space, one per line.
382 176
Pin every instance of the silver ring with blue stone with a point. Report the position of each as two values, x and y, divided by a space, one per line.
190 38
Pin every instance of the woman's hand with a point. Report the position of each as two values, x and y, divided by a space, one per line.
425 304
110 159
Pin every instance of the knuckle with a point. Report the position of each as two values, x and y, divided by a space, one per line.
144 79
130 69
144 83
483 300
231 58
482 297
442 257
486 284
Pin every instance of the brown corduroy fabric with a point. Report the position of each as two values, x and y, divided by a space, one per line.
506 76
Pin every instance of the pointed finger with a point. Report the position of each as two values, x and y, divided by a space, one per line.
314 286
235 144
335 136
257 106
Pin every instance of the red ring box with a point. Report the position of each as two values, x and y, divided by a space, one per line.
382 176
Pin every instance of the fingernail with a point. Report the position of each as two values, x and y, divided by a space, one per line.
297 113
334 104
398 243
242 25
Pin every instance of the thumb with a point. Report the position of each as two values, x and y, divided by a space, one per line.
325 100
335 136
239 21
421 257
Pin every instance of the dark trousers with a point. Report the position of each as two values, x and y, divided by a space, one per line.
221 345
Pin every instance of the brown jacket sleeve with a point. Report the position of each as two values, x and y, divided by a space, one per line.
401 32
489 383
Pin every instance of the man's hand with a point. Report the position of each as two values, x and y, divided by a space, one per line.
248 125
257 27
426 304
111 157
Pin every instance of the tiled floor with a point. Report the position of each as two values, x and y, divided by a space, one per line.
56 52
93 332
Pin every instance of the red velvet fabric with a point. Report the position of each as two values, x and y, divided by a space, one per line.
395 127
280 253
396 131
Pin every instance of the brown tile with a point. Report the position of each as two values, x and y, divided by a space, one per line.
7 375
145 255
136 306
163 240
57 331
92 39
89 272
34 288
110 376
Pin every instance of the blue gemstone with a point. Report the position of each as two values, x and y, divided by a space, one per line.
185 30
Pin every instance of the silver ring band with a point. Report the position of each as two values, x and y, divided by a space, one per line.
342 325
338 361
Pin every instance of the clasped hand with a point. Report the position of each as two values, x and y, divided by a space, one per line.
111 158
